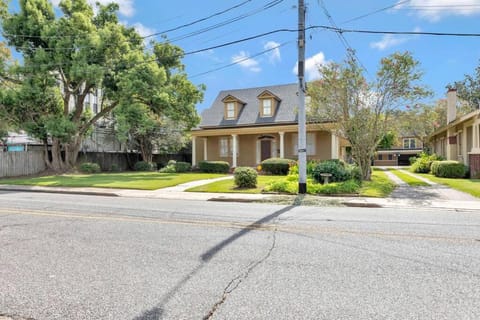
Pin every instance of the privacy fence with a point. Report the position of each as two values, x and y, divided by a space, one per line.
23 163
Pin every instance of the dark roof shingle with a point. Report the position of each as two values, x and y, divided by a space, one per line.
286 111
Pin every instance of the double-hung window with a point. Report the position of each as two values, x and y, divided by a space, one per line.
230 110
267 107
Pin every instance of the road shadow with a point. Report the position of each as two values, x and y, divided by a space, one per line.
156 312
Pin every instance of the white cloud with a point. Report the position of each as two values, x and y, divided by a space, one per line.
311 66
143 30
126 6
390 40
274 53
245 62
434 10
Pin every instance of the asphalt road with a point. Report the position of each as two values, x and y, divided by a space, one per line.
87 257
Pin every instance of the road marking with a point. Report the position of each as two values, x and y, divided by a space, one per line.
232 225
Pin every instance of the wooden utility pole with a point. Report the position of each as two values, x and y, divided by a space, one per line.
302 131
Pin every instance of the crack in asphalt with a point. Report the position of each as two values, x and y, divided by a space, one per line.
236 281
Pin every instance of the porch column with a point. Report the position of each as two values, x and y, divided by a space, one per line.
476 138
194 151
334 146
205 157
282 144
234 152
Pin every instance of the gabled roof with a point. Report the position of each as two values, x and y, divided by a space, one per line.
249 115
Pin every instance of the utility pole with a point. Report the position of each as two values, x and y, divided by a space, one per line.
302 131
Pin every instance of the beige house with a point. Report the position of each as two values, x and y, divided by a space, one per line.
246 126
460 139
399 155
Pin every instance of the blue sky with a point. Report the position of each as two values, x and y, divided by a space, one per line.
444 59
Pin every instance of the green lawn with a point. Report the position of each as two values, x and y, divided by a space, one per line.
380 185
228 186
411 180
471 186
122 180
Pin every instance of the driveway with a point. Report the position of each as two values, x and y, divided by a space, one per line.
427 194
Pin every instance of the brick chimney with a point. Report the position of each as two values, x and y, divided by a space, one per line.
451 105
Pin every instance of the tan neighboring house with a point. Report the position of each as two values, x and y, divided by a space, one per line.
399 155
460 139
246 126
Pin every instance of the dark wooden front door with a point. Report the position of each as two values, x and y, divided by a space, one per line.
266 149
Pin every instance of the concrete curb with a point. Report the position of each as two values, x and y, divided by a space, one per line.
353 201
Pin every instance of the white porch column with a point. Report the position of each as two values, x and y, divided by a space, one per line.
334 146
194 151
234 152
476 138
282 144
205 152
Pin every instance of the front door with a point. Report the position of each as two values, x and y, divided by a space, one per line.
266 149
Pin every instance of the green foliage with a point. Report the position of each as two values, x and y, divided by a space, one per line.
89 167
310 166
359 109
95 51
290 185
388 140
115 168
354 173
182 166
335 167
277 166
245 177
169 168
214 166
423 162
449 169
145 166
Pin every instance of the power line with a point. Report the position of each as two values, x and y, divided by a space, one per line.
376 11
240 60
324 27
199 20
343 40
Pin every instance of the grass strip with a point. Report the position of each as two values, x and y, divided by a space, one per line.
409 179
121 180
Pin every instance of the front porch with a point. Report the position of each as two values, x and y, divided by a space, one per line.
250 146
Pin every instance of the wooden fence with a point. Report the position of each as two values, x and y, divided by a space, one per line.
24 163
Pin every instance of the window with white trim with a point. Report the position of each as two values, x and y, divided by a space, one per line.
267 107
230 110
409 143
226 146
311 145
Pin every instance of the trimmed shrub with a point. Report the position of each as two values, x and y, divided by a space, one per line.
89 167
449 169
423 163
277 166
145 166
335 167
168 169
214 166
182 166
245 177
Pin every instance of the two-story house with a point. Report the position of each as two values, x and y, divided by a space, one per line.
247 126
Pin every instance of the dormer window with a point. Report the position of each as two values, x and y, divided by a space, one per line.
232 107
268 103
267 107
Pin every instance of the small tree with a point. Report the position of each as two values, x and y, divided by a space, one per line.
359 109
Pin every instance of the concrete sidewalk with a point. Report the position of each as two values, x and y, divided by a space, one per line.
177 192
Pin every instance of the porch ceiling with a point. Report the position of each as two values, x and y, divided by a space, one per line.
258 130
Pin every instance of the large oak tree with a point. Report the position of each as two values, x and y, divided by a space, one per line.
68 56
